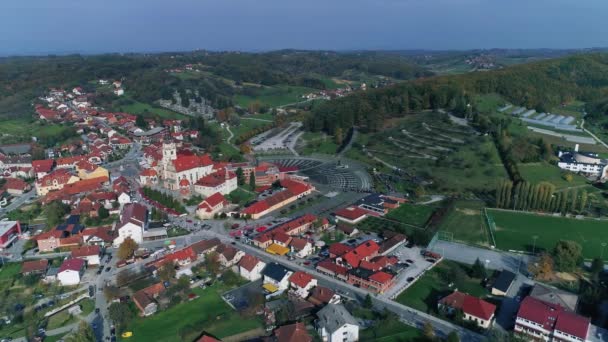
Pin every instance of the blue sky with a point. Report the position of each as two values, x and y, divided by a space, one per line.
86 26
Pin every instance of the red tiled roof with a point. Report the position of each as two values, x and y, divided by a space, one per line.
381 277
183 163
361 252
539 312
298 244
15 184
148 173
256 208
71 264
207 338
212 201
85 251
35 265
70 160
85 165
216 178
573 324
321 295
292 333
184 182
339 249
248 262
61 176
281 237
330 266
301 279
453 300
478 307
351 213
45 165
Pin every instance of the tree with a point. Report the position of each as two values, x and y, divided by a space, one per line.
567 255
367 303
573 201
583 202
597 266
212 263
338 136
84 334
245 148
127 248
564 202
568 177
111 292
419 191
240 177
478 270
453 337
140 121
55 212
120 314
543 269
252 181
166 272
428 331
103 213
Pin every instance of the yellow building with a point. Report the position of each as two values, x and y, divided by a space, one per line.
55 180
277 249
88 170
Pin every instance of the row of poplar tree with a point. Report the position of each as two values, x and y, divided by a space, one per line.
539 197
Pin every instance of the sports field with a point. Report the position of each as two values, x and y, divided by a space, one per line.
516 231
464 223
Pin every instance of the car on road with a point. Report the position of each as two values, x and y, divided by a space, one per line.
307 263
189 221
235 226
100 270
409 261
410 279
108 269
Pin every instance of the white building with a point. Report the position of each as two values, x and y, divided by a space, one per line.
188 167
589 164
210 206
302 283
123 199
221 181
90 254
301 247
251 267
336 324
276 278
133 223
71 272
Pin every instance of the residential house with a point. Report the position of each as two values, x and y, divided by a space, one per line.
503 283
301 247
228 255
302 283
321 296
294 190
376 281
351 215
292 333
90 254
210 206
133 223
16 186
87 170
473 309
71 271
251 267
204 247
330 268
148 177
55 180
43 167
145 299
276 278
98 236
35 267
336 324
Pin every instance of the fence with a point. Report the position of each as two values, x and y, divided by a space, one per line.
491 226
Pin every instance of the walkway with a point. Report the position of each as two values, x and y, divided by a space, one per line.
593 135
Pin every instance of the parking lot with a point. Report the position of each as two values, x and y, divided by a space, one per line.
412 264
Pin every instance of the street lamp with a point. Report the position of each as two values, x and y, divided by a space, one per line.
534 244
602 254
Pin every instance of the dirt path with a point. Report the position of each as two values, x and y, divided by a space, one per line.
449 138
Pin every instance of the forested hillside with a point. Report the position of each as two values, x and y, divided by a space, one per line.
147 80
540 85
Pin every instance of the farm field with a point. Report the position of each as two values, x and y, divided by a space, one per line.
464 223
187 320
417 215
544 172
515 231
429 146
423 294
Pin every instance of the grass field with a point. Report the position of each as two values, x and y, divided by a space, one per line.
207 313
464 223
9 270
22 130
241 196
316 142
427 290
544 172
274 96
417 215
489 103
390 331
515 231
143 108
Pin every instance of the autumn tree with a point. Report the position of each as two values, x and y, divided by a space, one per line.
543 268
127 248
212 263
583 202
245 148
166 272
338 136
428 331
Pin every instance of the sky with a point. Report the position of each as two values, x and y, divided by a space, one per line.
89 26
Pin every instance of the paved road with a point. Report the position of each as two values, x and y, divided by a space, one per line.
18 201
494 260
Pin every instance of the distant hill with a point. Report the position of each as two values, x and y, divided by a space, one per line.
540 85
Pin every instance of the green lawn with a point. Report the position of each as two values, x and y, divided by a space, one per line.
274 96
515 231
61 319
185 321
424 294
54 338
390 331
464 223
241 196
489 103
143 108
544 172
417 215
317 142
9 270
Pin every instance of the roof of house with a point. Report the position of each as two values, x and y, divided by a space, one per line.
45 165
15 184
216 178
134 211
363 251
34 265
227 251
85 251
321 294
573 324
351 213
332 267
478 307
556 296
381 277
453 300
540 312
249 262
105 233
301 279
207 338
339 249
292 333
275 271
182 162
212 201
71 265
299 244
333 316
504 281
281 237
148 173
205 245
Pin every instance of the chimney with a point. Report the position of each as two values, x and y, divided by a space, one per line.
576 148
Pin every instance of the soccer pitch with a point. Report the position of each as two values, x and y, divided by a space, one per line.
525 231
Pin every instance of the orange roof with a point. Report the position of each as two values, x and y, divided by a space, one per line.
301 279
148 173
381 277
85 251
183 163
248 262
45 165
